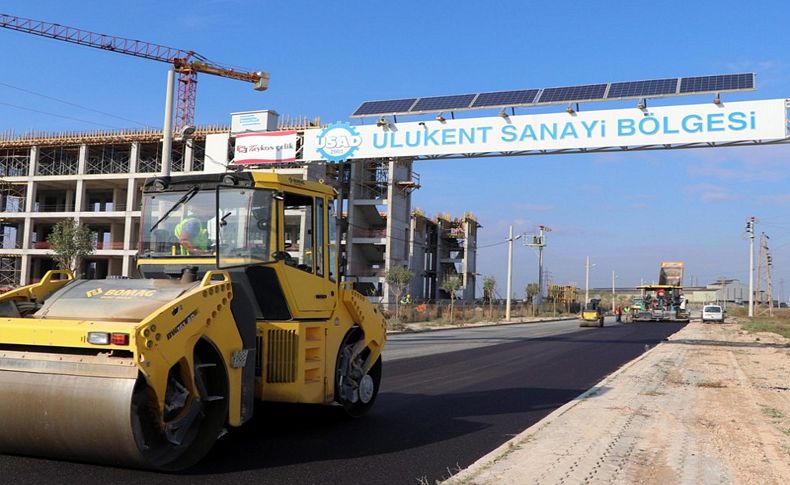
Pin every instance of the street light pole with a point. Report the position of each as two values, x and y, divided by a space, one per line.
510 240
167 130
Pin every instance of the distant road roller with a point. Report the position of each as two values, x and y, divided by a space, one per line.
239 299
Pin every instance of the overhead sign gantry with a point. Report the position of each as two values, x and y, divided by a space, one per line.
570 131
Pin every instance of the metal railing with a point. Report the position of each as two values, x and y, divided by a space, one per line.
108 245
39 207
105 207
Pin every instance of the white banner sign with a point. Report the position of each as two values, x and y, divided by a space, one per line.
270 147
700 123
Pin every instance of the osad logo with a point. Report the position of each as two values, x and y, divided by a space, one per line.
338 142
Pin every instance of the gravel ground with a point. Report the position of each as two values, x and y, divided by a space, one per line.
710 405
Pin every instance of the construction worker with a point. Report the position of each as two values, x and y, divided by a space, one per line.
192 232
618 311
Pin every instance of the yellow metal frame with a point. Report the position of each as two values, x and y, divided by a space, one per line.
42 289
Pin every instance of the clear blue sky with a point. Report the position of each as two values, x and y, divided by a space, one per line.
627 212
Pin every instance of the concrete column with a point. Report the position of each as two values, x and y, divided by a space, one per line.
127 233
82 159
79 203
24 271
31 169
126 265
134 154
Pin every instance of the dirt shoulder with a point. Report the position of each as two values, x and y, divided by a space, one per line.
711 405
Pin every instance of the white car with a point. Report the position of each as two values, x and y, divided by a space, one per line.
712 313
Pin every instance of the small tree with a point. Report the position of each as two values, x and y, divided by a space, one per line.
398 278
489 285
451 284
531 290
554 293
71 242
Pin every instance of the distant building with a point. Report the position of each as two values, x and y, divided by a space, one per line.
442 248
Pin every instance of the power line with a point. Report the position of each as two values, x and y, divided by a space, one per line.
57 115
70 103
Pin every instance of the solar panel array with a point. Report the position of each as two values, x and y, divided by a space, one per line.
563 95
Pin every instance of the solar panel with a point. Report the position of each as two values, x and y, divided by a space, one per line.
573 93
726 82
384 107
642 89
567 94
440 103
506 98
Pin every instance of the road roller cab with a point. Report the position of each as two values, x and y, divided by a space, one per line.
240 299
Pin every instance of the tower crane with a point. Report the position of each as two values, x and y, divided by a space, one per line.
186 63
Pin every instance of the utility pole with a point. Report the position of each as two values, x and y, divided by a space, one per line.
764 276
750 231
539 242
613 295
510 240
587 281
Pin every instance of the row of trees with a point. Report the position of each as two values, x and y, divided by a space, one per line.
399 277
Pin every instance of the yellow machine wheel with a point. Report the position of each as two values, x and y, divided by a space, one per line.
355 389
193 419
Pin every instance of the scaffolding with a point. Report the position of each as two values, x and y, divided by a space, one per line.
10 271
108 159
14 162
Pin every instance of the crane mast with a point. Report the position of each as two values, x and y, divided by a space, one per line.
186 63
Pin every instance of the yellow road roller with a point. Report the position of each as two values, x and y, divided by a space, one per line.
239 298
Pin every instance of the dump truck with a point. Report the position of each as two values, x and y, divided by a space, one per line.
592 314
663 302
148 372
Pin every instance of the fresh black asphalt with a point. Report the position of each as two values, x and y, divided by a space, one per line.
435 413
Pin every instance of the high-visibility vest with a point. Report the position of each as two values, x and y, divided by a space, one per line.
199 240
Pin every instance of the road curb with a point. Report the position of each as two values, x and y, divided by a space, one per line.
474 325
467 474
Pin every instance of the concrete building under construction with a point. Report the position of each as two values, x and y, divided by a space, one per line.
96 179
